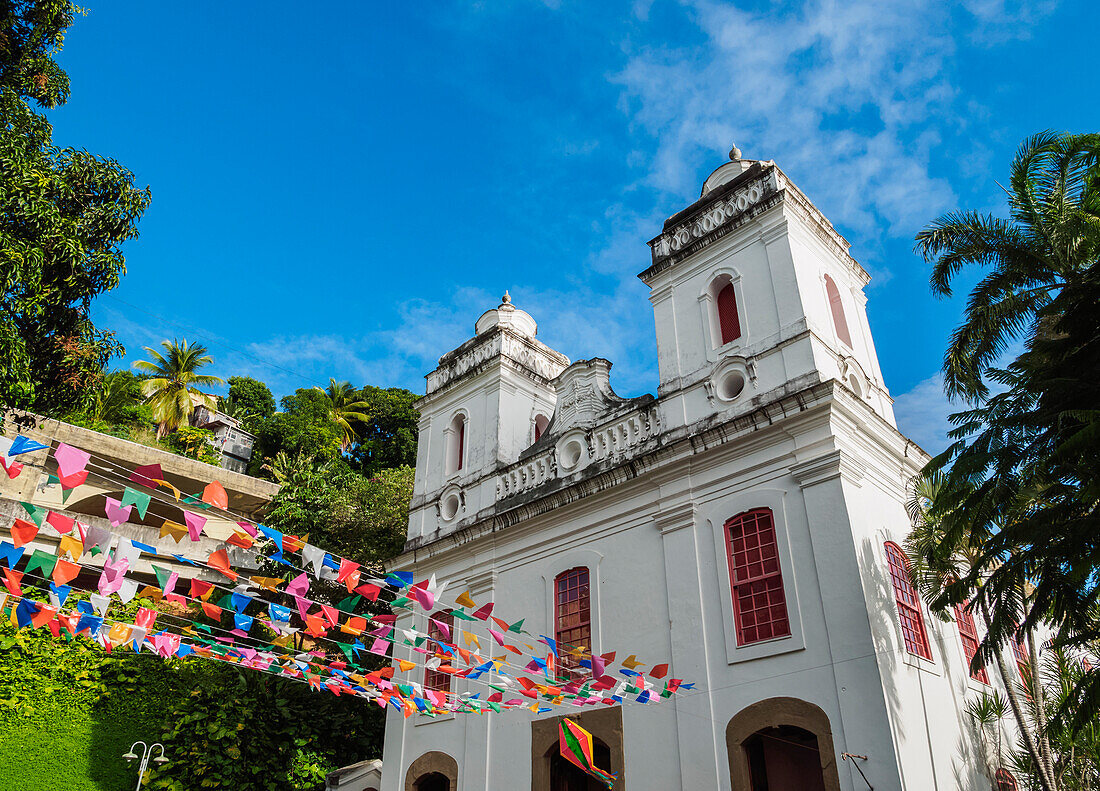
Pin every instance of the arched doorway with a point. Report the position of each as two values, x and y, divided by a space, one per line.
551 772
784 758
564 776
781 744
433 771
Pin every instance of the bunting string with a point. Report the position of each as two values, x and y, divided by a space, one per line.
443 653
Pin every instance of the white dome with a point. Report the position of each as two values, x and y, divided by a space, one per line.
727 172
506 315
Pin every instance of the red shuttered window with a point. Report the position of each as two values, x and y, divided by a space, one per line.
433 679
1019 652
837 307
909 612
572 614
968 633
461 439
759 606
728 322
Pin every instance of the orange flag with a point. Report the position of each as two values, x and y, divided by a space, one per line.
23 532
220 560
214 494
65 571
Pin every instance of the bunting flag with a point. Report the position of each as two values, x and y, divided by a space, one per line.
575 744
434 642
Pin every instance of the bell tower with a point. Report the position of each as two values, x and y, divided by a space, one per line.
488 400
754 293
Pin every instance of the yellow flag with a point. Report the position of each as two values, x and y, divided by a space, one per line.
471 639
174 529
71 545
465 600
406 665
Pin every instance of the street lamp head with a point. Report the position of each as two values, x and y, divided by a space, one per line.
160 759
130 755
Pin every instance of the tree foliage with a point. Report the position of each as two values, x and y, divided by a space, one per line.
1021 481
388 437
249 400
301 427
362 519
64 215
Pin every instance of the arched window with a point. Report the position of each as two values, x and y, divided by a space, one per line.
1005 780
456 443
909 612
433 781
837 307
968 634
759 605
433 679
541 424
572 614
729 324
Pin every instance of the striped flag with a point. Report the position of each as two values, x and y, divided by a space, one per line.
575 744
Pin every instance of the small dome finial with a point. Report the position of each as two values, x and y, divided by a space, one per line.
506 299
735 153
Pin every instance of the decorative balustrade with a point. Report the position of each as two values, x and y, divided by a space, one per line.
615 440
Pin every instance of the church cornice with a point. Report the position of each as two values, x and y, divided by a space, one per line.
527 355
763 186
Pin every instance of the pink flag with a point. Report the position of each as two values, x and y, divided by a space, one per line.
115 512
195 524
498 636
424 598
70 460
248 527
303 606
298 586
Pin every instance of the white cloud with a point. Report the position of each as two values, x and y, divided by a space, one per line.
922 414
851 98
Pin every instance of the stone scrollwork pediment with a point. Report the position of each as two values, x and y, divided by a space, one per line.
585 397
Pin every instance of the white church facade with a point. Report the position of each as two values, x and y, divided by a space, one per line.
743 525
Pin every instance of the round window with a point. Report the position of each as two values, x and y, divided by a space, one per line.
730 385
571 454
449 507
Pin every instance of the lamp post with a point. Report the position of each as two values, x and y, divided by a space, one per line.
146 751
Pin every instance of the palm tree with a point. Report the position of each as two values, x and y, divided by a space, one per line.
173 391
943 566
1052 234
117 393
345 408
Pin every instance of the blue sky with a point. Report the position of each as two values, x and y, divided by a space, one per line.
342 192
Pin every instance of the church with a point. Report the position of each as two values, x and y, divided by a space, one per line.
745 524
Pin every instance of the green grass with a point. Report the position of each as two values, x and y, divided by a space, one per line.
72 749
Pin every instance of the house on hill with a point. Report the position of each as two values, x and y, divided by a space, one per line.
743 524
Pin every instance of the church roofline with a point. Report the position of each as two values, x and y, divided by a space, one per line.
760 188
528 354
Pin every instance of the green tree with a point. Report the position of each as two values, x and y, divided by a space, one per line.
1074 754
363 519
345 408
941 566
117 401
172 388
388 438
1022 477
64 215
249 400
302 426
